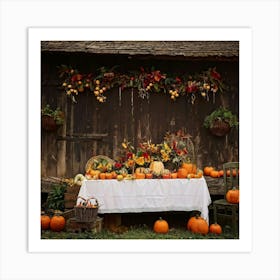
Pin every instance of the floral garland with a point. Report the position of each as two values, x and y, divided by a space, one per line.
145 81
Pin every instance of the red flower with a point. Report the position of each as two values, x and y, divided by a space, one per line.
191 87
178 80
129 155
118 165
215 75
145 155
77 77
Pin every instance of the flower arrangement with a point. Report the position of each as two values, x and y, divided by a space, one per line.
175 149
146 81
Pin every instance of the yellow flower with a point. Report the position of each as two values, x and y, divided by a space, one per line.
129 163
124 145
165 157
140 161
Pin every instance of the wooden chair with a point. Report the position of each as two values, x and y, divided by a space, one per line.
222 208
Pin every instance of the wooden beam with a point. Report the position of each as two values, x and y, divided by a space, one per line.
77 138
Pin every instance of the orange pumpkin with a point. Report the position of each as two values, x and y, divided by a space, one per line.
149 176
45 222
207 170
234 173
182 173
166 176
57 223
161 226
199 225
215 228
139 176
114 174
214 174
221 173
190 167
108 175
232 196
174 175
190 221
102 176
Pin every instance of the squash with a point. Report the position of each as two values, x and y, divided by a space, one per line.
161 226
140 170
78 180
157 167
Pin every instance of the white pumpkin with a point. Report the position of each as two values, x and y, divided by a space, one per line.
157 167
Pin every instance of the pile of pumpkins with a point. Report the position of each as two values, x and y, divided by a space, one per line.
55 223
214 173
195 224
155 170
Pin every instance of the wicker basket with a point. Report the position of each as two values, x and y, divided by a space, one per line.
85 214
91 161
220 128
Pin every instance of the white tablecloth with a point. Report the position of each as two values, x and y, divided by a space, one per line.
148 195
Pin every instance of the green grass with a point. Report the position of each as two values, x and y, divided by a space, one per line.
138 232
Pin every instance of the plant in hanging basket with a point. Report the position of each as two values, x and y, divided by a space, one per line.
51 118
220 121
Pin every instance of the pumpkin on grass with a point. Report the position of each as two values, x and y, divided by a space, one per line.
198 225
45 221
215 228
57 222
232 196
161 226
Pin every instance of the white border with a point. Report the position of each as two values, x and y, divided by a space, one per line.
36 35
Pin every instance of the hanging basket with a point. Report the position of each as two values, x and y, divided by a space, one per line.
48 123
220 128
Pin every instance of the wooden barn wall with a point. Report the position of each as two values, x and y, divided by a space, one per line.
92 128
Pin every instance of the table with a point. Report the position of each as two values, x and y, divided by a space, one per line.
148 195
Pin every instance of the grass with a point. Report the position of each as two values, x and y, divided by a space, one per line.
140 226
140 232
